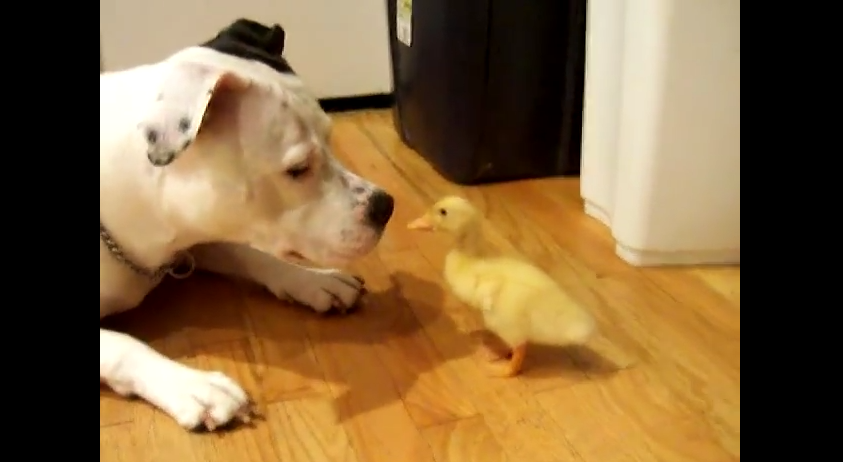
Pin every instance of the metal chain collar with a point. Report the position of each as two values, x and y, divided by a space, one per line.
174 268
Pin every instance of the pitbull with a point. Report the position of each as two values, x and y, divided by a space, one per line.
218 158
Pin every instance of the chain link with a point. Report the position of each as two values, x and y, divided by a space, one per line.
169 268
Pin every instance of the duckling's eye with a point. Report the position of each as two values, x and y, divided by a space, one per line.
443 212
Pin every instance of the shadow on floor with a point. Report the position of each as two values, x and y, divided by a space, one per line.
181 317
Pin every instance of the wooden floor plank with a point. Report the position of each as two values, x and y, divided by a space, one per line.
117 443
367 401
284 362
308 430
602 423
233 359
465 440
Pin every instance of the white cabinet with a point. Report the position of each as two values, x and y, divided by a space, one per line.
662 128
339 47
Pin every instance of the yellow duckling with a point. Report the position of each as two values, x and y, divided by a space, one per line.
520 302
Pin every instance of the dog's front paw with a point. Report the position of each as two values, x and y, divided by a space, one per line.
199 400
323 290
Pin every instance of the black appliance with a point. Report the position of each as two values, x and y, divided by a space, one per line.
491 90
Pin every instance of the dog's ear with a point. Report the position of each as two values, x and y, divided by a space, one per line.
182 107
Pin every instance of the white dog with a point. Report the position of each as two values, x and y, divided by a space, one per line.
218 158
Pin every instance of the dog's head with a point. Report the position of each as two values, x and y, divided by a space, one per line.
243 153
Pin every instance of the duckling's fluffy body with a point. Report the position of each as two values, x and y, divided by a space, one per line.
520 302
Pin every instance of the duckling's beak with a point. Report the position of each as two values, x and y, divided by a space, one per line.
423 223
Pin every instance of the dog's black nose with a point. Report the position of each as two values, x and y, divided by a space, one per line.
380 208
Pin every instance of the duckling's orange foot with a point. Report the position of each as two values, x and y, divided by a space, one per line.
502 368
492 354
509 367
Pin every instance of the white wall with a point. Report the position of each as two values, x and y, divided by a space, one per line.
339 47
661 129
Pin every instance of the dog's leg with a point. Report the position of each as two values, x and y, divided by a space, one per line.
320 289
192 397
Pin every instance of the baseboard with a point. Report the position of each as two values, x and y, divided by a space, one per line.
638 257
357 103
597 212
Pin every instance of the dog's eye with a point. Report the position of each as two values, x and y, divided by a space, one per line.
298 171
443 212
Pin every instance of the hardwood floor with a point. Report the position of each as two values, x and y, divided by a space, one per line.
399 381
